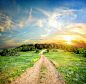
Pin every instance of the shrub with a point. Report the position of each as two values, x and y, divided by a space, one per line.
37 50
85 54
47 50
80 51
10 80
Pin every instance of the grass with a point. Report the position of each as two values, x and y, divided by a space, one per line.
41 82
44 68
13 66
43 77
43 73
71 66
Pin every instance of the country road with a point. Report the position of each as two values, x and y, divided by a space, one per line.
36 75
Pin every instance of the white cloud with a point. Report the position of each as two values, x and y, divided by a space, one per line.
2 28
40 22
68 38
74 16
20 24
9 24
30 19
26 22
44 35
48 30
44 12
6 23
9 41
0 34
76 27
25 41
78 30
54 18
65 10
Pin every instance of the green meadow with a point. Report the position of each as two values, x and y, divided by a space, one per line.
71 66
12 67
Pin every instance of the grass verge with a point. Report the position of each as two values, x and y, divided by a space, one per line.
13 66
71 66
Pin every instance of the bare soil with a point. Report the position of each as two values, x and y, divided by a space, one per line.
43 72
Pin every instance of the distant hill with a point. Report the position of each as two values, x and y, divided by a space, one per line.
8 47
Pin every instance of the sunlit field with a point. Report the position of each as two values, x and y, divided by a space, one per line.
71 66
13 66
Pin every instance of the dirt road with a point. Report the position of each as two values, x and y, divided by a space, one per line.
43 72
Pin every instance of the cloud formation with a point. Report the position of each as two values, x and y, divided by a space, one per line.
45 24
26 22
76 27
55 19
6 23
0 34
25 41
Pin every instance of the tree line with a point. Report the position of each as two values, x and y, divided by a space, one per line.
37 47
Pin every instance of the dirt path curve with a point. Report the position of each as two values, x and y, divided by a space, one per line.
35 75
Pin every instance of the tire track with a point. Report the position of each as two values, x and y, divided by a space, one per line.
35 75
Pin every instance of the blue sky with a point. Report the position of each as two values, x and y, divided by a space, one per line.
42 21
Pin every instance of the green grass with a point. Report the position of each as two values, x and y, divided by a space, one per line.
43 77
44 68
13 66
43 73
72 66
41 82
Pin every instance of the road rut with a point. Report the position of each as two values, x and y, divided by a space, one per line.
35 75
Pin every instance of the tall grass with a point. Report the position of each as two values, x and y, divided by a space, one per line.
13 66
71 66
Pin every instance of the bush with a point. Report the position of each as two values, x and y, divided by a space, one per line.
37 50
10 80
85 54
47 50
80 51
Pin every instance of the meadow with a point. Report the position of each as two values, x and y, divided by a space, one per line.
71 66
12 67
70 61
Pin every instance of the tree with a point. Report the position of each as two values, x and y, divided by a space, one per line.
5 52
47 50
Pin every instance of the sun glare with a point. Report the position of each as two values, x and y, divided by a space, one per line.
67 38
68 42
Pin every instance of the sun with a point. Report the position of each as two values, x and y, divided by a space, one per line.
68 42
68 38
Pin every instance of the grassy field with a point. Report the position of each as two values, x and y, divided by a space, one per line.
12 66
71 66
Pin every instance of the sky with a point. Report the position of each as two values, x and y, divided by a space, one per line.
42 21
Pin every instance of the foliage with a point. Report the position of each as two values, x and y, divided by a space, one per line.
37 50
47 50
31 47
14 51
10 80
